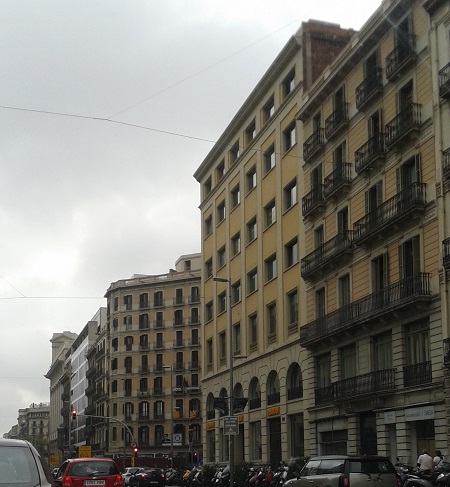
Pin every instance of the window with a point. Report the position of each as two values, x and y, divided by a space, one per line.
409 260
292 308
236 292
159 342
128 301
221 257
344 290
127 322
342 222
234 152
289 136
270 214
194 316
209 311
269 158
253 329
408 173
207 227
255 441
220 170
268 109
209 352
208 268
348 361
159 321
382 351
417 343
288 83
252 230
143 300
195 294
207 187
143 321
250 132
373 198
158 298
220 212
116 304
379 274
323 369
236 338
194 337
222 346
290 194
318 237
178 296
320 303
235 196
272 319
178 317
235 244
271 267
291 253
251 179
222 302
252 281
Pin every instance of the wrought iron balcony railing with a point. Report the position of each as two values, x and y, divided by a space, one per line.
446 253
392 298
381 219
444 81
313 144
380 381
401 57
295 393
417 374
446 163
371 87
254 403
273 398
370 153
340 178
406 123
313 200
327 253
337 120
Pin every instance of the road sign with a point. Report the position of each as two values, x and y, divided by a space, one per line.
230 425
84 451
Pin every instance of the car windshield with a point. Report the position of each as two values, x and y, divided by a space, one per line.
87 469
18 467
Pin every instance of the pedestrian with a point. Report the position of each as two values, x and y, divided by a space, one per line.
438 459
425 462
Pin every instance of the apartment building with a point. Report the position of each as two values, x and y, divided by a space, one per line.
375 212
251 242
153 363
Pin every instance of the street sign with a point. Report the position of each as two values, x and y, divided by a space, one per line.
84 451
230 425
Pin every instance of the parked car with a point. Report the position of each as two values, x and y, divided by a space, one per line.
148 477
128 472
21 464
346 471
88 472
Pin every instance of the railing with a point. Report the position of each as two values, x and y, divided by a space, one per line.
178 300
392 297
411 198
313 200
210 414
371 151
371 86
360 385
400 57
408 120
446 253
254 403
417 374
295 393
340 176
444 81
331 249
194 299
337 120
446 163
143 369
273 398
313 143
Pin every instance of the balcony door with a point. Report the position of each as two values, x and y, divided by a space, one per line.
379 271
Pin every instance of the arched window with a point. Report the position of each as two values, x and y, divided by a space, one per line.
254 394
294 382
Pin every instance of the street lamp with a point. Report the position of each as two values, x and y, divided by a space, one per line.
230 354
167 367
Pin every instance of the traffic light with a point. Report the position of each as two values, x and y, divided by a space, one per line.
135 451
195 457
74 413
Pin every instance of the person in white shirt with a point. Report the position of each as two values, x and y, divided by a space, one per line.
425 462
438 459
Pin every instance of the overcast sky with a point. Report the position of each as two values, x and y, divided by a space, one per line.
85 202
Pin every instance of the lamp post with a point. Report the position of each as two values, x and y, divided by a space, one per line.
171 412
230 355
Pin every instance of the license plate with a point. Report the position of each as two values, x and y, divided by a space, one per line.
94 482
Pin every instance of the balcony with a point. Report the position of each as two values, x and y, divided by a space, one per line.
194 365
143 347
91 371
178 366
392 212
158 391
178 300
273 398
178 343
143 417
401 58
446 253
313 144
336 121
295 393
313 201
328 253
446 163
446 351
369 89
378 382
404 125
417 374
393 298
444 82
254 403
340 179
143 393
373 152
143 369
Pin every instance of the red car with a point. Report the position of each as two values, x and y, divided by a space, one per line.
88 472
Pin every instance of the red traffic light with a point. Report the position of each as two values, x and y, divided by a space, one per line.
74 413
135 449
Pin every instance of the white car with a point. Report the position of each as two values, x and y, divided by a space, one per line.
127 473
